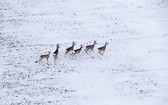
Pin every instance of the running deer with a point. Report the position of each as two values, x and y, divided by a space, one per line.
76 52
102 49
46 56
90 47
55 53
70 48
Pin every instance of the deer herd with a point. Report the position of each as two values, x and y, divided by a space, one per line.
73 52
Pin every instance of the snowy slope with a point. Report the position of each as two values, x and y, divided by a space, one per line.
133 70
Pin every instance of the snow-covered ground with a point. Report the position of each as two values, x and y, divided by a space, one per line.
133 70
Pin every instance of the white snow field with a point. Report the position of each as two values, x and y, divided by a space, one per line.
132 71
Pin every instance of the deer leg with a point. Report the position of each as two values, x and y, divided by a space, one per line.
40 60
65 54
99 51
70 56
47 60
75 54
102 52
54 56
86 50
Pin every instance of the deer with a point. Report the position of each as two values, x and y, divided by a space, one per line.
55 53
76 52
90 47
102 49
46 56
70 48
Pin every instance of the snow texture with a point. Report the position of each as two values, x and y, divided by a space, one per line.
132 71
